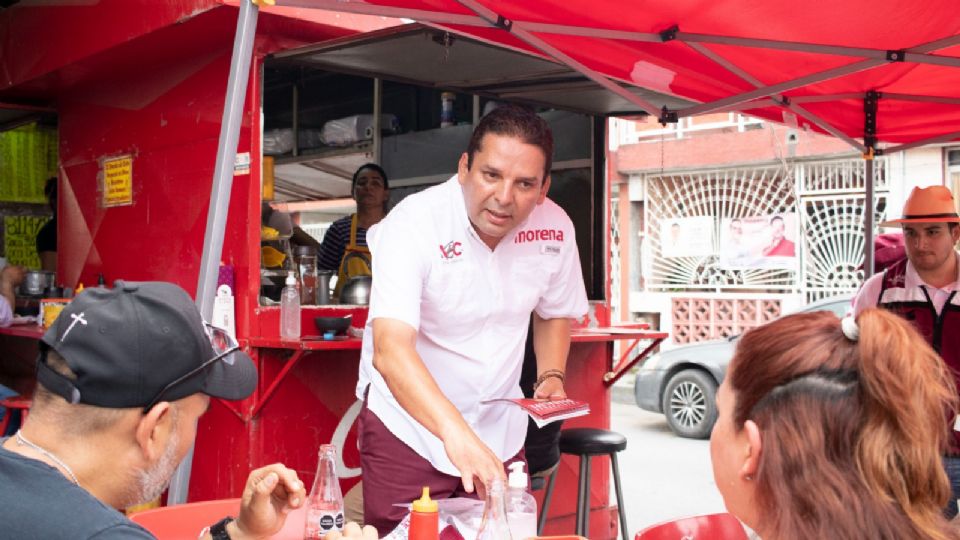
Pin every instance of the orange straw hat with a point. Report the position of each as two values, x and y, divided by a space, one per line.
933 204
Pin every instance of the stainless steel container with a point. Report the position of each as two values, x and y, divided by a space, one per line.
356 291
35 282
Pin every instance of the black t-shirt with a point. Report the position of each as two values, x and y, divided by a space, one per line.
47 236
37 501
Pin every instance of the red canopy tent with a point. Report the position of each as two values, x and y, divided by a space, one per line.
864 71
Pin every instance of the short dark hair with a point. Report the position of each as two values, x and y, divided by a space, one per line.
514 121
777 218
373 167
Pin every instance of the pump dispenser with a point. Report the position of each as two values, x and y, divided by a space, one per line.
425 518
521 506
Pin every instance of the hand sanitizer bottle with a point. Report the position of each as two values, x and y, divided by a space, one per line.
521 506
290 309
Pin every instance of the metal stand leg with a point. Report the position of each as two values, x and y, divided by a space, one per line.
616 485
583 496
546 501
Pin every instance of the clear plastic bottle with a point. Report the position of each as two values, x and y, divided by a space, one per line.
521 506
290 309
325 503
494 525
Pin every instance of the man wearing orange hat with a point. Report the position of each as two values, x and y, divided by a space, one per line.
923 288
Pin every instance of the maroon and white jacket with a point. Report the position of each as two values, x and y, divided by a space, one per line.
934 312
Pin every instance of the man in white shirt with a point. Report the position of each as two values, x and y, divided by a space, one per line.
460 268
923 289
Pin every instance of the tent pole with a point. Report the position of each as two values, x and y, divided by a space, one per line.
868 218
220 196
870 102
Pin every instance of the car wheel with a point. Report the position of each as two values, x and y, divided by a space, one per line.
689 404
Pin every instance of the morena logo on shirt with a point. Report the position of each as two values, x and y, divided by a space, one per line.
451 250
538 235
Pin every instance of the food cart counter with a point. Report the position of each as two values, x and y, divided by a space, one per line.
305 398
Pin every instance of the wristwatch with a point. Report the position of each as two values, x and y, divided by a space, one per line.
219 530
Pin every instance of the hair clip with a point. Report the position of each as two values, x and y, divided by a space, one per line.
850 328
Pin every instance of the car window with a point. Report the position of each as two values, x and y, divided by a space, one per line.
839 308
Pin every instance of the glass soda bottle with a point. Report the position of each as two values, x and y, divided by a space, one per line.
325 503
494 525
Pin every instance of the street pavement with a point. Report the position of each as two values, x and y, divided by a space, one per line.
664 476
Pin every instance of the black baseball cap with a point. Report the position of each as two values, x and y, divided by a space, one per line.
140 343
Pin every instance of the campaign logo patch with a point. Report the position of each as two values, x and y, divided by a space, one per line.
538 235
451 251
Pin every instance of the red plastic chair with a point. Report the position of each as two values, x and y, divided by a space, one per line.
185 521
21 403
709 527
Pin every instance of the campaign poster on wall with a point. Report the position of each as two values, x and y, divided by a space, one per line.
686 237
759 242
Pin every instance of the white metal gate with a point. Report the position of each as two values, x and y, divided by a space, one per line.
827 197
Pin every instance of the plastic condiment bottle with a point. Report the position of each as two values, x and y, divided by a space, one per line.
425 518
290 309
521 506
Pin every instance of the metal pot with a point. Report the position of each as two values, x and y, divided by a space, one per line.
35 282
356 291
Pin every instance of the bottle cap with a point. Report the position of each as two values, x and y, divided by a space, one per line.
517 478
291 279
425 503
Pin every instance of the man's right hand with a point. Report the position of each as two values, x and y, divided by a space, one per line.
472 458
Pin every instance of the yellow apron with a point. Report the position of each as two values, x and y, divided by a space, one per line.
357 265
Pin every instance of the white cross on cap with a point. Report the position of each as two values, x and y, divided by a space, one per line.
76 319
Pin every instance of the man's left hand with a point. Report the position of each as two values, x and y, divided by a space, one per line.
550 388
271 493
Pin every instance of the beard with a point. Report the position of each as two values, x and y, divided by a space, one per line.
153 481
148 484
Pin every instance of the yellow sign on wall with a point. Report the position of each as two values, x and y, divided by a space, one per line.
20 237
118 181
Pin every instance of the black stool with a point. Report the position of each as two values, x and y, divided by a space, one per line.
586 443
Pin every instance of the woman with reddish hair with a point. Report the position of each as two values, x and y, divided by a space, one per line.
834 429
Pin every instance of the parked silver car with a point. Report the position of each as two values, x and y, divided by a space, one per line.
682 383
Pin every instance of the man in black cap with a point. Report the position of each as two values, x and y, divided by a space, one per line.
122 378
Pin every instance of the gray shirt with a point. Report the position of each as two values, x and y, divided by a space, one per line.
37 501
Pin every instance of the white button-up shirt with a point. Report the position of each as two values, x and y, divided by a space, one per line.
470 306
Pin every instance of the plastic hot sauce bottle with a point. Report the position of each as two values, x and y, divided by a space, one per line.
425 518
325 503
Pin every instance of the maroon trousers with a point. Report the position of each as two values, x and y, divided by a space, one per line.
394 473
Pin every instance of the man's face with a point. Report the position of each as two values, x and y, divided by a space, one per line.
930 245
369 190
503 186
154 479
778 229
736 230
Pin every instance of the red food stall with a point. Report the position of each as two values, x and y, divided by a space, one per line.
140 85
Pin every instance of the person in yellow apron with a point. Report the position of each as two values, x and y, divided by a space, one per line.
344 247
